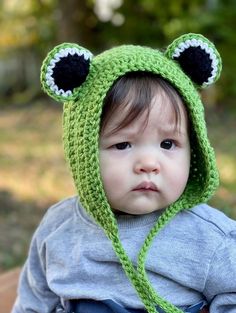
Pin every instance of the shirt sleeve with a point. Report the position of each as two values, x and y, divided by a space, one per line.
34 294
220 287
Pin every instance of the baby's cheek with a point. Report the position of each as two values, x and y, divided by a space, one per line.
179 180
112 188
109 173
112 181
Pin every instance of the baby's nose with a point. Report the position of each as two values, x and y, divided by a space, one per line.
148 164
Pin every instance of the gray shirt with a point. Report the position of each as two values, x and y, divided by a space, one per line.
191 259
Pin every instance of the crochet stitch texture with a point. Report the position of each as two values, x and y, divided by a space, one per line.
81 125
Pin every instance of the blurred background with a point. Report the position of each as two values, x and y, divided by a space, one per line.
33 172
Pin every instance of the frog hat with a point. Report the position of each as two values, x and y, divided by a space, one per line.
72 75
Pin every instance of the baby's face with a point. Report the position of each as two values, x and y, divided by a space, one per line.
145 168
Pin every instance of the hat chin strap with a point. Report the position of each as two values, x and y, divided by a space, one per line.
138 277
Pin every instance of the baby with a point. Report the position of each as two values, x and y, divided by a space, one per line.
139 236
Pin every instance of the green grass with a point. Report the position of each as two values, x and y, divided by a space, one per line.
34 174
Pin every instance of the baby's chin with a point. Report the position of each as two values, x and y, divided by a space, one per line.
137 205
118 212
128 211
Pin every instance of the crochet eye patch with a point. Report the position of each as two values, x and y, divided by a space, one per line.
197 57
205 69
70 72
66 69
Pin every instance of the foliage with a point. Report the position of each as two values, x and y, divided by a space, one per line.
222 28
148 22
31 28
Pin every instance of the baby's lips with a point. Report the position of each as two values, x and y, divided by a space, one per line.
146 185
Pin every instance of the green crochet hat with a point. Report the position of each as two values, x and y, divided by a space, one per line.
72 75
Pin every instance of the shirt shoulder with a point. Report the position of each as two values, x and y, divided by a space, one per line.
194 237
58 214
211 219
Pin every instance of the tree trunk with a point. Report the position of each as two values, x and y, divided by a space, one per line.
77 23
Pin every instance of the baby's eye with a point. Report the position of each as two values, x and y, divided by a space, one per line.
167 144
122 145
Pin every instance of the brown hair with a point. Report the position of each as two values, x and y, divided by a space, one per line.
137 90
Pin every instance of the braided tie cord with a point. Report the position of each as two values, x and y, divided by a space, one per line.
138 277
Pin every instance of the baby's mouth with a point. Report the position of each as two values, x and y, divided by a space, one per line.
146 186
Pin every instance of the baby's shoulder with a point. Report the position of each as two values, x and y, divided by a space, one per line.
211 220
57 215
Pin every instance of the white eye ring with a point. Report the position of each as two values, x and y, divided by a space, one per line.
204 46
62 53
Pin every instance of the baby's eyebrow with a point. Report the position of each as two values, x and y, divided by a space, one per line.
173 131
164 130
120 132
170 129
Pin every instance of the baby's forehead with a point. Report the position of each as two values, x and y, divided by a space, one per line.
160 115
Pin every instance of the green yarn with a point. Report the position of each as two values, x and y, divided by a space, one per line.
207 45
47 69
81 125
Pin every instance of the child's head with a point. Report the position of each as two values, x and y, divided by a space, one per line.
144 144
136 144
107 83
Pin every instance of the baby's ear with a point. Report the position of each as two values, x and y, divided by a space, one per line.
64 69
197 57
